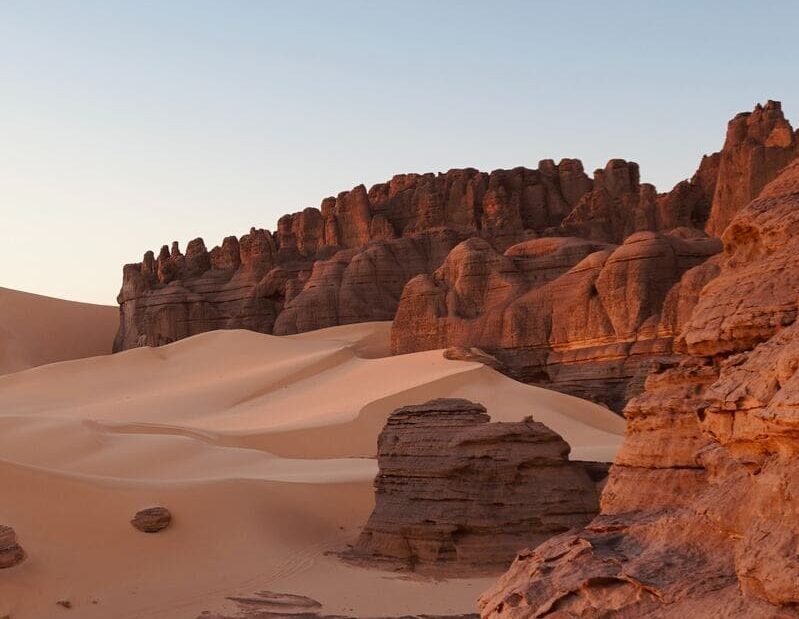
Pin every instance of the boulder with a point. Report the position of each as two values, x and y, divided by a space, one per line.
11 552
152 519
455 489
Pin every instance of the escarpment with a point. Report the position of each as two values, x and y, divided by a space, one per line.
575 282
345 262
698 518
575 315
454 489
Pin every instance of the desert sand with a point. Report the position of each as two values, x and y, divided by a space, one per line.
35 330
261 448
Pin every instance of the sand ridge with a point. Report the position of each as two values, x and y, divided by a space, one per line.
259 445
35 330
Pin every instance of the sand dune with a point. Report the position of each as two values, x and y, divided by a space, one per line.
259 445
35 330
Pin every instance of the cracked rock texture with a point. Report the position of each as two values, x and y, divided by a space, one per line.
699 515
11 552
574 282
455 489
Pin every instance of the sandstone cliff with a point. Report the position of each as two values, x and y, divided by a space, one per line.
699 513
575 282
578 316
758 145
368 244
454 489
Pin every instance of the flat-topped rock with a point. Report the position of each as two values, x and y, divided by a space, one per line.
455 489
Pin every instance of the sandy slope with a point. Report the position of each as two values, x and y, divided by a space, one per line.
35 330
256 443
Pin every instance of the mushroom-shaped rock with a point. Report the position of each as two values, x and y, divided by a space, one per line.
152 519
11 553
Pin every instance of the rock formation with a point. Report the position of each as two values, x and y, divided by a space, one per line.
11 552
368 244
699 513
575 315
575 282
152 519
758 145
455 489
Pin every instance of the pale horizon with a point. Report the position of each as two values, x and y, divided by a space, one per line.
132 126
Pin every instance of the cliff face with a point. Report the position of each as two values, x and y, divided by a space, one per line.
369 244
577 315
455 489
699 514
758 145
573 282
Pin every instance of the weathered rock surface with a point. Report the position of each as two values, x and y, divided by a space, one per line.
576 315
152 519
758 145
699 512
359 286
370 244
454 489
11 552
571 281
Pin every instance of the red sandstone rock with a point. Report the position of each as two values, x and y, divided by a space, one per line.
564 312
357 286
247 283
758 145
152 519
699 513
456 489
572 312
11 552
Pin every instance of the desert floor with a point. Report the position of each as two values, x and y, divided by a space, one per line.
260 446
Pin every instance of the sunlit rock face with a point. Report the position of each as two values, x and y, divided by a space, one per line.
699 513
578 283
454 489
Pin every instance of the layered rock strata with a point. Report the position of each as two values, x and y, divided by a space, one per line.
758 145
699 513
358 247
454 489
11 552
349 261
571 281
152 519
575 315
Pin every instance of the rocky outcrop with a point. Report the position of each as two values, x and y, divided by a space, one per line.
152 519
699 513
572 281
454 489
11 552
594 313
362 285
349 260
758 145
580 316
369 244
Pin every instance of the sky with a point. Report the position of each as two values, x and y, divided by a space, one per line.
127 125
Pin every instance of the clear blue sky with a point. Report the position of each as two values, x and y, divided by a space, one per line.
126 125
